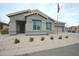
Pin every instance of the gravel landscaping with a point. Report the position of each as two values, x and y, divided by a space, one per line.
30 44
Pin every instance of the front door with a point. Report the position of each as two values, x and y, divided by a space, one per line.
20 26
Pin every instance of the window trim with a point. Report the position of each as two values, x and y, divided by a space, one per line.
50 26
40 25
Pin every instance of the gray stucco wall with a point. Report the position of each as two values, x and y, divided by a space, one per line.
60 29
12 26
29 25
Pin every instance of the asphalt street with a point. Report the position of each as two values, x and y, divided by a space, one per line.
71 50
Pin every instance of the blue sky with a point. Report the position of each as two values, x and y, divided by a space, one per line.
69 12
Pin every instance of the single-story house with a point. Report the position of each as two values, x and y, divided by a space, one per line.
33 22
3 26
74 29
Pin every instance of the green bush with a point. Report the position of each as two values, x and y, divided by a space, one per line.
60 37
66 37
4 31
31 39
51 37
73 31
16 41
42 39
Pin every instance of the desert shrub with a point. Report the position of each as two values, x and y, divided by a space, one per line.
69 31
66 37
73 31
4 31
51 37
42 38
47 34
31 39
60 37
16 41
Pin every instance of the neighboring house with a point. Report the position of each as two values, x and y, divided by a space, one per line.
74 29
3 26
33 22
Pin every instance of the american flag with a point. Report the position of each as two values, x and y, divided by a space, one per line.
58 8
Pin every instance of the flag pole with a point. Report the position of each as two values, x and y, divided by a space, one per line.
57 23
58 9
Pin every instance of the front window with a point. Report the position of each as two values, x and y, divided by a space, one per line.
48 26
36 24
62 29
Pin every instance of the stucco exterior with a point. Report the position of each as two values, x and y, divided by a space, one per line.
60 27
3 26
73 29
28 18
29 25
